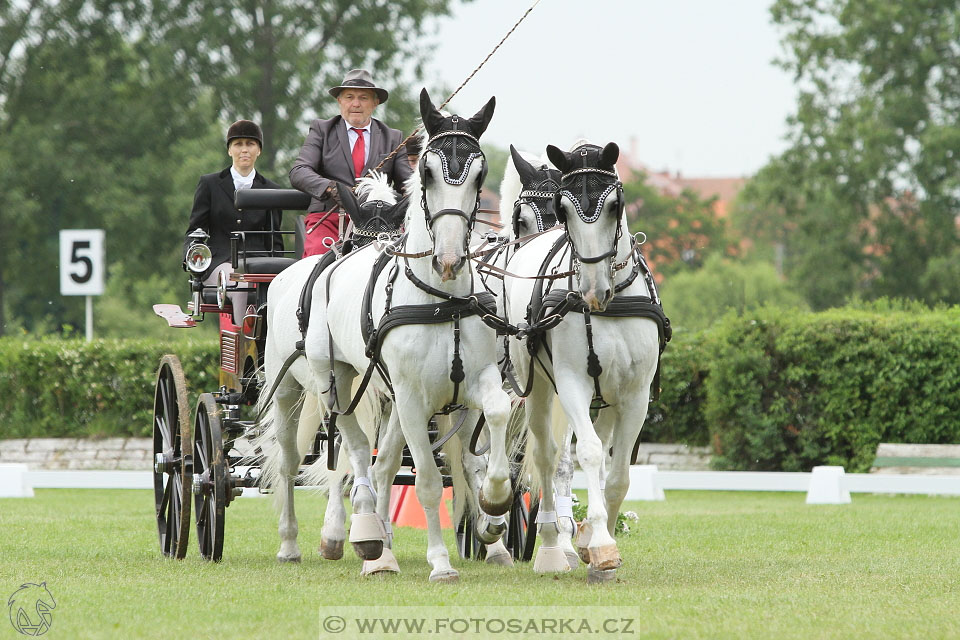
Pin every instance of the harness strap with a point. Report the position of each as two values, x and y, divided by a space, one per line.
306 299
593 367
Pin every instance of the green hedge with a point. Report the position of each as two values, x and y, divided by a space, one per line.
774 390
55 388
788 390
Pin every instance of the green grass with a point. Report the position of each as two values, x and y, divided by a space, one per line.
700 565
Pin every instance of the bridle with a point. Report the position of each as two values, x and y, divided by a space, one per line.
575 186
537 198
449 146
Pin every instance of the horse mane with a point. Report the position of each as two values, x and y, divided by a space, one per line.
376 187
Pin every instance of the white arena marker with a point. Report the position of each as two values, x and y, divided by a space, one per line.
827 486
14 482
643 483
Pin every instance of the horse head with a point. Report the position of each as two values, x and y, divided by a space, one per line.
375 211
590 204
534 209
452 168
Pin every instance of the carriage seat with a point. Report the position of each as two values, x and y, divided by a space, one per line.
265 264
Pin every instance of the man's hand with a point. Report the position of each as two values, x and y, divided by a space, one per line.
334 194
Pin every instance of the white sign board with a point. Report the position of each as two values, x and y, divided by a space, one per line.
81 262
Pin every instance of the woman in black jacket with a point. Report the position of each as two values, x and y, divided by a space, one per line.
214 212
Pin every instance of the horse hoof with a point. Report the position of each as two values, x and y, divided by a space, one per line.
605 558
285 558
503 559
550 560
572 558
492 509
368 549
445 576
386 563
595 576
583 542
331 549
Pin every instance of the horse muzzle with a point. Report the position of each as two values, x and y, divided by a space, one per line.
597 302
448 265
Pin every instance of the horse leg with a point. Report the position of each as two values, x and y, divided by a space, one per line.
563 481
367 533
286 415
629 420
496 493
429 484
389 454
601 550
550 557
489 530
333 533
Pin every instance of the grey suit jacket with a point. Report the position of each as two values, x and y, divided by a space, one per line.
325 158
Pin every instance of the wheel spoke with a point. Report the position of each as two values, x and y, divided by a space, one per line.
168 535
165 501
169 412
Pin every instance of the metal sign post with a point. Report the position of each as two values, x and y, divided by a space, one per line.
82 266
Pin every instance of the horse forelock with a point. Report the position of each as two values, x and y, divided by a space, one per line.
376 187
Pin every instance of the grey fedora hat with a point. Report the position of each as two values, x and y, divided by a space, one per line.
359 79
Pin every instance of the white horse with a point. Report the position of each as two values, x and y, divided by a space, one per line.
528 208
431 366
616 373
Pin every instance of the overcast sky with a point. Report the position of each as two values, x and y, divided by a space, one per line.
688 82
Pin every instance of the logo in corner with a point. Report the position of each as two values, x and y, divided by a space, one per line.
30 608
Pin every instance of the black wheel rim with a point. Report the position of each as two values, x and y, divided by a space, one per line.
522 530
171 484
209 467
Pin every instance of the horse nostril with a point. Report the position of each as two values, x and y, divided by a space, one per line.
459 264
436 265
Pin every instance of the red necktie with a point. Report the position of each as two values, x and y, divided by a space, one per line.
358 152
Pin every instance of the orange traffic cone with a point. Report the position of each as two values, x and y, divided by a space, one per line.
406 511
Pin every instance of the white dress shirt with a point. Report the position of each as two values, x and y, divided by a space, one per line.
352 138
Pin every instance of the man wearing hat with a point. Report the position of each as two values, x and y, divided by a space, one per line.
342 149
214 212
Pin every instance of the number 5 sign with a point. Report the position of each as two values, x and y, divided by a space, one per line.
81 262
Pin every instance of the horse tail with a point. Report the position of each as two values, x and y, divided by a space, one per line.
558 431
266 450
453 450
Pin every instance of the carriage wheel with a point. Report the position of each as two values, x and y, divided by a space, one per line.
210 479
172 466
522 532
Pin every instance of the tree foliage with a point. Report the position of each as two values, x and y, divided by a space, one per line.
681 231
865 199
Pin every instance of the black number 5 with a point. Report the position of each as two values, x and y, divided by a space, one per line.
80 278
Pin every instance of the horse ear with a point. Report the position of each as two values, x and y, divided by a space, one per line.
399 210
348 199
557 157
480 121
524 168
432 119
609 155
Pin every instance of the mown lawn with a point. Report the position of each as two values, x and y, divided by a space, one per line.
699 565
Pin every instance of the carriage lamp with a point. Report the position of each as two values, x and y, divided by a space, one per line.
198 257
